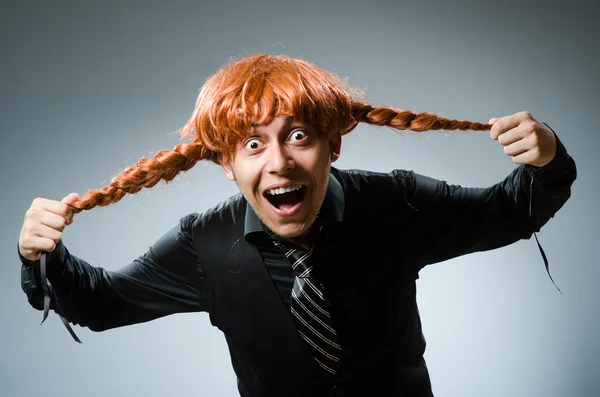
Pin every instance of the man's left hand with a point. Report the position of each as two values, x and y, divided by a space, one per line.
524 138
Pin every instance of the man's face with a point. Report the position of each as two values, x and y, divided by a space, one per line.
282 169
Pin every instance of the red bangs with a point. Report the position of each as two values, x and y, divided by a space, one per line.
256 88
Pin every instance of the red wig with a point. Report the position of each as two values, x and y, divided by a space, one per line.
255 89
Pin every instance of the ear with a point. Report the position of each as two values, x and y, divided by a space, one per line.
335 149
226 164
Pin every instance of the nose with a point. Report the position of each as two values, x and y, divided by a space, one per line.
279 161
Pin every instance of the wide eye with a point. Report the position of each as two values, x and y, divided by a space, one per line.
253 144
297 135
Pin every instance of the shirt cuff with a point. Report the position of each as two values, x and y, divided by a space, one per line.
56 264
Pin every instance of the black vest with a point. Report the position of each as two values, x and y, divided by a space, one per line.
268 356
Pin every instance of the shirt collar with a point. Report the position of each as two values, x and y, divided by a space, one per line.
332 211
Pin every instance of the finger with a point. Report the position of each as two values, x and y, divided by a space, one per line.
493 121
33 244
497 128
56 207
493 131
525 158
44 231
53 221
507 123
516 148
70 198
40 244
511 136
32 250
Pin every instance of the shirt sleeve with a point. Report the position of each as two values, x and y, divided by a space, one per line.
166 279
449 220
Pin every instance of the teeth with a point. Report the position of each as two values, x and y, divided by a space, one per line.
281 190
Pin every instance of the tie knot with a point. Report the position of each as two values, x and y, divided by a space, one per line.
299 258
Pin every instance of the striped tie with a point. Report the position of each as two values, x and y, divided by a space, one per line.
310 311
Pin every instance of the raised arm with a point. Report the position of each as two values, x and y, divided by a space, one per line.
167 279
450 220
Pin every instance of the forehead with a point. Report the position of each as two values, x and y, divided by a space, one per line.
277 122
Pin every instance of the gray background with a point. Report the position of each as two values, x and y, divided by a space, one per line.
87 88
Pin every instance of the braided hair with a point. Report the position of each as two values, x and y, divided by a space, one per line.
253 89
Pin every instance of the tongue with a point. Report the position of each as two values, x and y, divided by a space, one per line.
285 201
286 207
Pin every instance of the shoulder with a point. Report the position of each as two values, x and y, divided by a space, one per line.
227 212
375 198
357 181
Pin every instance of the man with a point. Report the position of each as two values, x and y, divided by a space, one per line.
310 271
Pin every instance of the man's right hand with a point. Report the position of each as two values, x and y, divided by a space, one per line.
43 225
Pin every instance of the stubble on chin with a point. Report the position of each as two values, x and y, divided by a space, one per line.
303 238
300 238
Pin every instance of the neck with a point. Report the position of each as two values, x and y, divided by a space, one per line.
306 240
301 241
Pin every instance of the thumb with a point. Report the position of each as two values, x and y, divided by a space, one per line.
70 198
493 134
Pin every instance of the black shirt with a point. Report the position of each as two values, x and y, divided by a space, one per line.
446 221
150 287
280 269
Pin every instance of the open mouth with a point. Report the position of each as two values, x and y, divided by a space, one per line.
286 198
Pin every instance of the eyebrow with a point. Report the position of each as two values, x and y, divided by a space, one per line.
288 120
